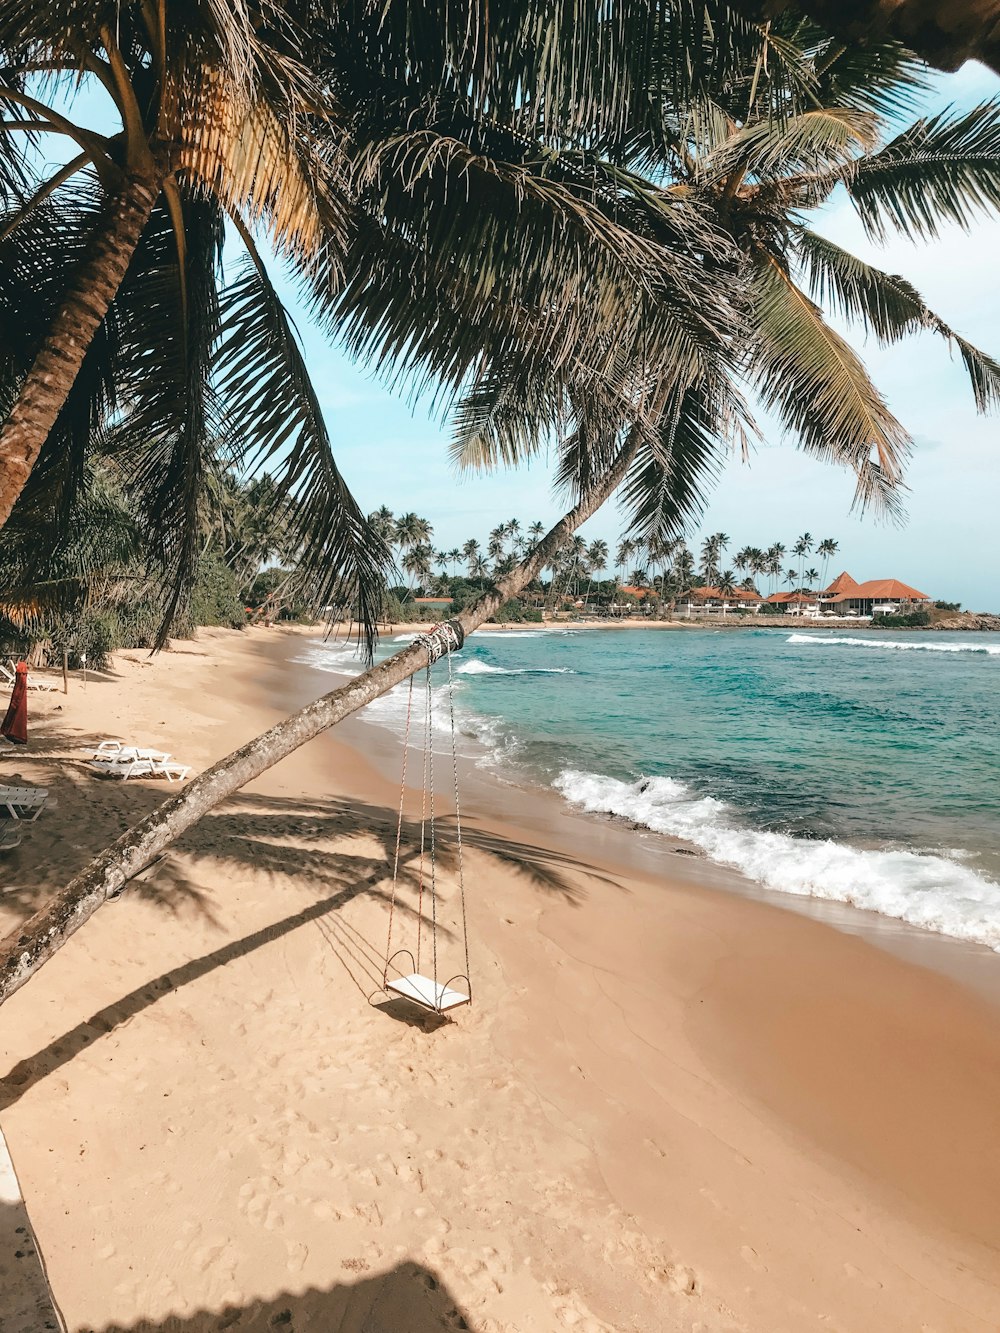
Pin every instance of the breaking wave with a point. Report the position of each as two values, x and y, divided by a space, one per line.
926 890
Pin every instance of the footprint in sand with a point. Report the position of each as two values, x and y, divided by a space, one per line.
297 1256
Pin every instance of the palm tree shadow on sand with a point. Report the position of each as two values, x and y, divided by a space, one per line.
286 836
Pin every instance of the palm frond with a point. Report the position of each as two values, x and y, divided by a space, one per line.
888 305
815 381
945 168
668 484
817 140
272 416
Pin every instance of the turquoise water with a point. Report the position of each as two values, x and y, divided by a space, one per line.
859 767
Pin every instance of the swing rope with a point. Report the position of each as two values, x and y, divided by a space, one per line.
448 638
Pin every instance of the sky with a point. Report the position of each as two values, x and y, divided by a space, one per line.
393 452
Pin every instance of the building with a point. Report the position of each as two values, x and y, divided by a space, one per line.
795 603
712 600
878 597
432 603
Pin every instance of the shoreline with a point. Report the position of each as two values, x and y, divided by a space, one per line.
688 1105
794 624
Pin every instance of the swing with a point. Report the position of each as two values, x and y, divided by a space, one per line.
414 985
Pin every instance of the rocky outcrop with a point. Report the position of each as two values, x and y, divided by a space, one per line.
968 620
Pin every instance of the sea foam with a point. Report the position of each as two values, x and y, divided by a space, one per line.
475 667
929 891
992 650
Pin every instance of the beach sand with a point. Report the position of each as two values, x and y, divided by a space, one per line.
669 1108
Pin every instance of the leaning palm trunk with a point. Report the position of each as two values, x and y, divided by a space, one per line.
57 364
25 950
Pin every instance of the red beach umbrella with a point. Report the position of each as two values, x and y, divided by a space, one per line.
15 724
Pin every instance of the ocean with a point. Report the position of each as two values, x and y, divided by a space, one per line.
857 767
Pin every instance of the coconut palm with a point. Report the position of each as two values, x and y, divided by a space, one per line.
680 225
112 269
792 578
470 553
827 548
802 548
811 577
536 531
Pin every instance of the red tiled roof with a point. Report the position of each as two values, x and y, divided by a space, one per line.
843 585
794 597
880 589
737 594
635 592
890 589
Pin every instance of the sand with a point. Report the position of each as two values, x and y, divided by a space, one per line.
669 1108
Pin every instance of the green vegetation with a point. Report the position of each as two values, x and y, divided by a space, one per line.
903 620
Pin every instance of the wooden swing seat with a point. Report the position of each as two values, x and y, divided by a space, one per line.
431 994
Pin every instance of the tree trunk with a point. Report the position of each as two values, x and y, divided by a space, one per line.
61 355
26 949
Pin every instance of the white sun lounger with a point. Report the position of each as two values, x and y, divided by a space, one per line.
424 991
9 677
170 769
129 767
24 802
121 753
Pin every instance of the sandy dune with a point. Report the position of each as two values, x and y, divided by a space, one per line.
668 1109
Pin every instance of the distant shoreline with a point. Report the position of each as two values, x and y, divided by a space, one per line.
977 623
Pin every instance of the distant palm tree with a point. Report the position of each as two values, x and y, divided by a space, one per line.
470 553
479 567
624 552
597 561
775 557
417 562
827 548
792 577
536 532
811 577
802 548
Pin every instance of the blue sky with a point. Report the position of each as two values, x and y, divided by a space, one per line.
395 453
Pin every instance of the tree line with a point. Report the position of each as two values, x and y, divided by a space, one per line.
667 566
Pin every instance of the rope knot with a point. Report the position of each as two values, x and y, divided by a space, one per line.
447 638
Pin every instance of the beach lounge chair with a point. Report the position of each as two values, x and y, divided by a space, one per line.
24 802
170 769
124 765
121 753
8 677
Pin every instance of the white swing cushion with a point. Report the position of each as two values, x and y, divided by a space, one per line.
431 994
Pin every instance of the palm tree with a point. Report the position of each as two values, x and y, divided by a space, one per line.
827 548
417 562
470 554
597 560
536 531
130 231
775 556
727 586
479 567
802 548
811 577
624 552
713 228
792 578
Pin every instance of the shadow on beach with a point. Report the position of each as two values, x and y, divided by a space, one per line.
277 836
407 1299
